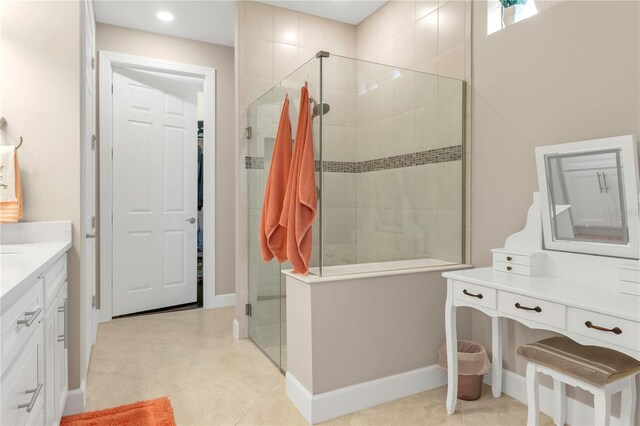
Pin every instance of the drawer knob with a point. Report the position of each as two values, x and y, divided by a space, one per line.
614 330
509 259
527 308
479 295
509 268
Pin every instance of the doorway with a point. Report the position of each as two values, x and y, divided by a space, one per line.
162 230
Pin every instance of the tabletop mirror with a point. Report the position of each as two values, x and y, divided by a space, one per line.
589 196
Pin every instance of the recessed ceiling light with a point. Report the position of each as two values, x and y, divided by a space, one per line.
163 15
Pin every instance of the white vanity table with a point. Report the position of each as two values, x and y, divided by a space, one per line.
33 322
569 292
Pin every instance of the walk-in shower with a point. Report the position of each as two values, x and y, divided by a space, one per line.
389 170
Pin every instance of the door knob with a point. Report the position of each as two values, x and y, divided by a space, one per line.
191 220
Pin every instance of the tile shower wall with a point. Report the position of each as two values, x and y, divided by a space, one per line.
414 211
270 44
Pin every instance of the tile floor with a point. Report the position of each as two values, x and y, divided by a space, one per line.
212 379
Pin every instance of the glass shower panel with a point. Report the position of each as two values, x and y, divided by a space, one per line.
392 167
267 286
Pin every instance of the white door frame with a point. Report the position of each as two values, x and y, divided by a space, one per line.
109 60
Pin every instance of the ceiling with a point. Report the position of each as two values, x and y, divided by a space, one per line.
212 21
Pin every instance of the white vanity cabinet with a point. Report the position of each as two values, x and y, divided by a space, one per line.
33 379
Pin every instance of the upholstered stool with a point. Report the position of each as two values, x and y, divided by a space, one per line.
598 370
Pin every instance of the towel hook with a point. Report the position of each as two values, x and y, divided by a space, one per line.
19 143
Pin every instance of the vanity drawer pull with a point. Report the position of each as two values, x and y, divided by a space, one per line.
509 268
509 258
30 317
526 308
479 295
615 330
29 405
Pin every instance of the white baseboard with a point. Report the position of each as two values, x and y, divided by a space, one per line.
222 301
76 399
339 402
578 413
235 329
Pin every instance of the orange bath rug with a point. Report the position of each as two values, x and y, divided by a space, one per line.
154 412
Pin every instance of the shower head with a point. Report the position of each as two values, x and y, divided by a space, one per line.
317 108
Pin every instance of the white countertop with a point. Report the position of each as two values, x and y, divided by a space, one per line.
21 263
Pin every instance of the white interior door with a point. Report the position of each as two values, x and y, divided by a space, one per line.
154 191
89 186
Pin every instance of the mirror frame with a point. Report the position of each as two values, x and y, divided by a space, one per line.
631 184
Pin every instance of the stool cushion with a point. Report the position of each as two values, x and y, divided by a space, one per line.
591 364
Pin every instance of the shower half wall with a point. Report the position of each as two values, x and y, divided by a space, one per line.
389 169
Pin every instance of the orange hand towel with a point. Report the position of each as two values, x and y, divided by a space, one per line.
273 236
301 197
11 211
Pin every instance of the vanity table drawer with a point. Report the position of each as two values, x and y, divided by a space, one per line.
20 321
512 268
617 331
476 294
533 309
518 259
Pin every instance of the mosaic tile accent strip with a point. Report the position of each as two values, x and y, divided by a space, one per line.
432 156
253 162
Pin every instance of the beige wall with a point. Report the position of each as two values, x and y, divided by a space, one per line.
568 74
342 333
40 93
141 43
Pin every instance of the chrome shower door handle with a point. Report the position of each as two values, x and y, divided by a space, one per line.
191 220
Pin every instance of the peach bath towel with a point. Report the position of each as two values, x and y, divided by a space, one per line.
301 198
11 211
273 236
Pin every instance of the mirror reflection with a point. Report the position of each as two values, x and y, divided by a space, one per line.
586 197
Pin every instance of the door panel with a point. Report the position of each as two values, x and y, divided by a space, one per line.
154 191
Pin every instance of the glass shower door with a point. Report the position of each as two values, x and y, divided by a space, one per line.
264 277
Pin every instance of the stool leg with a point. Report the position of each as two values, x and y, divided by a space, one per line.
559 403
628 403
533 412
602 403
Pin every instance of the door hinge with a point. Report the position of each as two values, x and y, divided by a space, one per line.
248 132
93 222
248 309
93 142
112 88
93 63
93 301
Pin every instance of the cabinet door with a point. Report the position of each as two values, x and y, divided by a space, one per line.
60 372
589 205
22 386
50 336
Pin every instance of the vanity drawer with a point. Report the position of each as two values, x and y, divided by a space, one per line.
617 331
54 278
20 321
476 294
533 309
505 257
22 387
511 268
